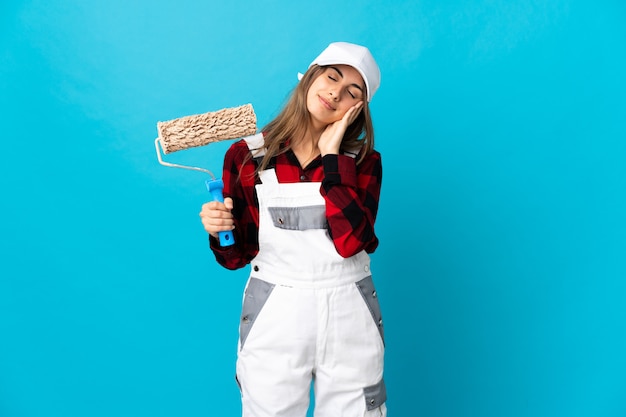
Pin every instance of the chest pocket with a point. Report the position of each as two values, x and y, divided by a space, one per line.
299 218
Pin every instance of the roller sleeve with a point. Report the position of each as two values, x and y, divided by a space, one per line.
202 129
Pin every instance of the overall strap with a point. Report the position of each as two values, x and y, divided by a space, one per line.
255 144
268 176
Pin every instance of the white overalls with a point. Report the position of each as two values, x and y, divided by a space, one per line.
308 314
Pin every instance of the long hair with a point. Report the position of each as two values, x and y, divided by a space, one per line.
293 121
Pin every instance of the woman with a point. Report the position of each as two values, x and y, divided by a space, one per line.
301 199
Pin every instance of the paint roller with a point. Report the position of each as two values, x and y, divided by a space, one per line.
203 129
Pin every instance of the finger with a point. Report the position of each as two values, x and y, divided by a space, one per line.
214 231
216 214
213 224
359 108
216 205
216 218
213 205
352 114
218 223
356 110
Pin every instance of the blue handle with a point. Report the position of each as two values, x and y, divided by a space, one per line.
215 187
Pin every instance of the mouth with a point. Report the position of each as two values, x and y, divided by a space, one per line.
325 103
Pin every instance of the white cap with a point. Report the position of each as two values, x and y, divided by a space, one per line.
356 56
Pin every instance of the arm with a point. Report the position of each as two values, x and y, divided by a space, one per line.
352 194
242 213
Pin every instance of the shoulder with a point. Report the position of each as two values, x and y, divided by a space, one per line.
371 165
239 147
372 157
239 163
252 144
374 154
238 151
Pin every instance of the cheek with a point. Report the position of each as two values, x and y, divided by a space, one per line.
345 106
341 112
310 96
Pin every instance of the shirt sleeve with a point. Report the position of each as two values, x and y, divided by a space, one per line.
352 194
239 180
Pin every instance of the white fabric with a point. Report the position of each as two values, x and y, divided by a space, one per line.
255 144
309 252
315 321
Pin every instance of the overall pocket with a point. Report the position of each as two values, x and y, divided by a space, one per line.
368 292
375 396
299 218
256 294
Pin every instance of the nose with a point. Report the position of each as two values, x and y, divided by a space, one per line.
333 95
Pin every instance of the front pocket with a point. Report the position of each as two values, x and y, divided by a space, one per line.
368 292
256 294
299 218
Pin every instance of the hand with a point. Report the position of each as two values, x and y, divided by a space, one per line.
216 217
331 137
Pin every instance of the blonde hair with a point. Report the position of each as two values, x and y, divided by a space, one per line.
293 121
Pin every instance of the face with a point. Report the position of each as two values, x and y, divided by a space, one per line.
333 92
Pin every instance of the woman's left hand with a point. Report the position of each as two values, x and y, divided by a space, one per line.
331 137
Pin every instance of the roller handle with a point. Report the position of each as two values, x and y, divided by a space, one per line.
215 187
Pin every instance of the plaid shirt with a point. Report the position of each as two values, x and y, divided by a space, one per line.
351 193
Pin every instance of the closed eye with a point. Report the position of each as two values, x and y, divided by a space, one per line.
334 74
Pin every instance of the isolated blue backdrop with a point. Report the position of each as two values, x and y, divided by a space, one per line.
502 262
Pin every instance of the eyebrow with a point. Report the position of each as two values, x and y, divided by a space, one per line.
341 74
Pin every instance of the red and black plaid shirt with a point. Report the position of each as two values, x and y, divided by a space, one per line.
351 193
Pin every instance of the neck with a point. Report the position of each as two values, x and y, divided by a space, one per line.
305 148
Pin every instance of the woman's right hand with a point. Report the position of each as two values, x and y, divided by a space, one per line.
217 217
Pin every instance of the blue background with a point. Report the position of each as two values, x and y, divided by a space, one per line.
501 267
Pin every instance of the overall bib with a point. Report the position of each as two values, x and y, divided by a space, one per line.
308 315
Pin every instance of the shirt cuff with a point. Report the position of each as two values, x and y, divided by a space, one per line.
339 170
216 247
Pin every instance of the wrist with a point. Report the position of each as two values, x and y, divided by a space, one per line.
329 152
